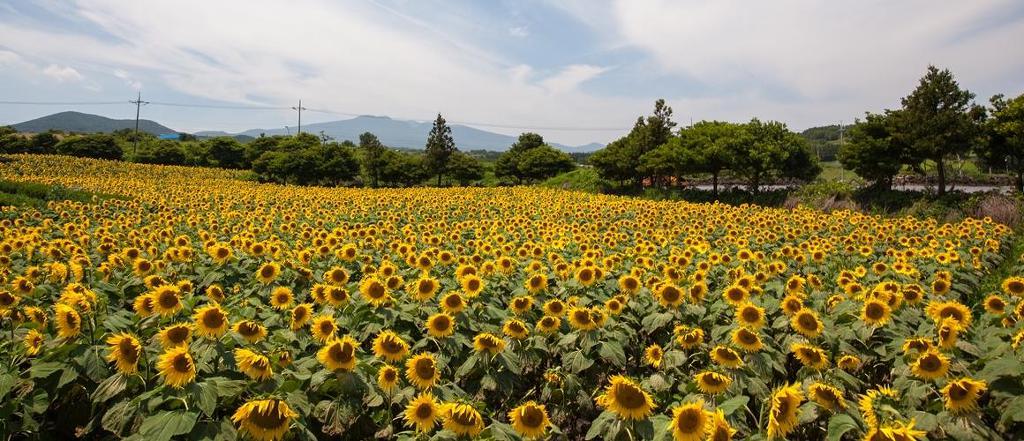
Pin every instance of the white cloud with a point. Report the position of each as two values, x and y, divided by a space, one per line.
62 73
128 79
572 76
519 31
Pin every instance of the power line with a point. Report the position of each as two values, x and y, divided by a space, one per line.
62 103
300 109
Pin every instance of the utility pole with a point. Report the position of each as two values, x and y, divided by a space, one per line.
300 109
842 170
138 104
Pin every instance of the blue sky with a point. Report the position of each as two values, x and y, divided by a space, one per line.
575 71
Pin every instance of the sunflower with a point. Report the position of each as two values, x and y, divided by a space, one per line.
268 272
453 303
726 357
264 420
827 396
374 291
736 295
33 342
387 378
669 296
440 325
530 420
957 311
8 300
653 355
690 422
949 330
961 396
613 306
338 354
807 323
995 305
750 316
424 288
251 330
626 399
144 306
810 356
869 400
323 328
581 319
521 304
554 307
300 315
711 383
930 365
462 419
125 351
210 321
747 339
689 338
548 324
215 293
791 304
875 312
166 300
220 253
471 285
177 367
941 286
515 329
720 429
1013 286
586 275
176 335
536 283
281 298
255 366
783 414
421 370
629 284
390 346
485 341
422 412
69 323
336 276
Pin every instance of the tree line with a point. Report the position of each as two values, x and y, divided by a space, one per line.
936 122
654 153
306 159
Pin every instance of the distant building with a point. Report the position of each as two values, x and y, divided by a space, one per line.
171 136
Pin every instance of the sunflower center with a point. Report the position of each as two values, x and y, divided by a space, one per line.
177 334
555 307
874 311
547 322
726 354
390 375
326 327
248 329
464 418
712 380
168 299
930 363
515 327
689 421
807 321
213 319
425 411
182 363
267 272
425 368
391 345
670 294
376 290
747 337
128 351
957 392
630 397
72 319
582 317
751 315
441 323
531 416
342 352
270 418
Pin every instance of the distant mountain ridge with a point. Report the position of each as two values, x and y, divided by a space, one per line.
88 123
404 134
391 132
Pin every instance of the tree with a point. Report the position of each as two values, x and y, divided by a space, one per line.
1004 132
160 152
771 151
403 169
465 169
938 120
619 161
336 163
225 152
7 130
261 145
709 147
507 164
439 148
101 146
872 152
543 162
373 160
44 142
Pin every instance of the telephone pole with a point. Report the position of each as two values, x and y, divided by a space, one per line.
138 104
300 109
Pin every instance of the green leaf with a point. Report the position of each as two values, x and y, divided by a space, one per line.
613 352
467 366
1014 410
45 369
839 425
118 416
731 405
654 322
165 425
1000 368
576 361
109 388
204 395
598 426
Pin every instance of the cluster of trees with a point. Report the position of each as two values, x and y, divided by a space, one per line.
654 153
530 160
936 122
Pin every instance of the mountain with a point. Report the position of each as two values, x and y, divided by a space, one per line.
88 123
405 134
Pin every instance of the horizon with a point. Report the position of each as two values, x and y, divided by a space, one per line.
572 71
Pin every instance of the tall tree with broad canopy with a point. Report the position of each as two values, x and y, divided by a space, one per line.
1004 131
872 152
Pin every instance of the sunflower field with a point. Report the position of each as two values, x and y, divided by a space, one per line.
203 306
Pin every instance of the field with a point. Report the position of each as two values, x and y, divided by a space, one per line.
197 305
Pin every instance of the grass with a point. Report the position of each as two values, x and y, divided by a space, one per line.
21 194
581 179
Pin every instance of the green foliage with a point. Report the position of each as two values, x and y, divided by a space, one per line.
100 146
227 152
161 152
32 194
582 179
465 169
305 160
771 151
1004 130
873 153
529 159
372 157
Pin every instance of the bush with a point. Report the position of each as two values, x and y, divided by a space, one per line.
99 146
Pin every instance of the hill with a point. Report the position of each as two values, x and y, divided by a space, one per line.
88 123
405 134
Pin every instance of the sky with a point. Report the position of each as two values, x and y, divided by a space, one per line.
575 71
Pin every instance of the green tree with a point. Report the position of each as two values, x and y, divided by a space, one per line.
771 151
225 152
101 146
938 120
543 162
404 169
373 160
439 148
1004 132
44 142
620 160
871 150
160 151
465 169
7 130
617 161
709 147
507 164
261 145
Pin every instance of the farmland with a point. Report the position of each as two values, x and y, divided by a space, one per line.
198 305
